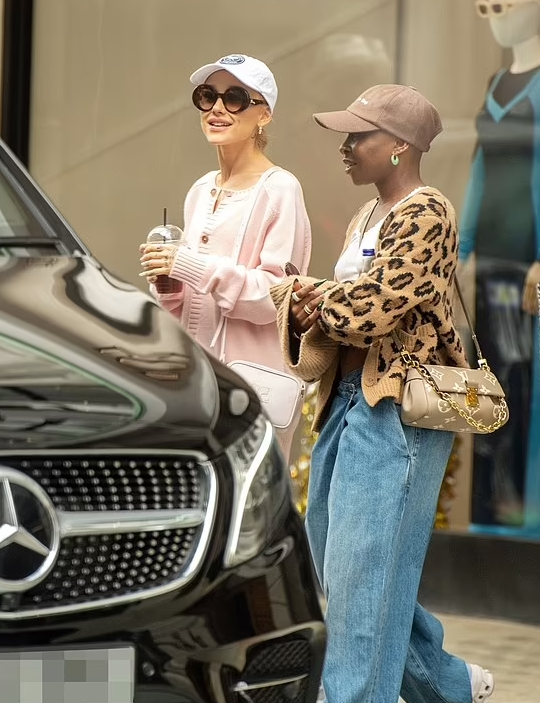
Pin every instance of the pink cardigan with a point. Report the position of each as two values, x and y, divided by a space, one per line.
278 231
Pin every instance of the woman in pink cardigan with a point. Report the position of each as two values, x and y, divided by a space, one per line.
236 96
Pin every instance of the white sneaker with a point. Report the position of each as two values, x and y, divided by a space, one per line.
482 684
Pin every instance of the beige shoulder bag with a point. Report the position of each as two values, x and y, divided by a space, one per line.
450 398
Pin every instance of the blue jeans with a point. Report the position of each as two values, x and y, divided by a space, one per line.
373 492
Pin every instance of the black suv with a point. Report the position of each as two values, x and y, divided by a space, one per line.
149 548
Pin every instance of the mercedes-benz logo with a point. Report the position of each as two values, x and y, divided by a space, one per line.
29 532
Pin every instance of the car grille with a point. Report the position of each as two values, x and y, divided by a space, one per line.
284 659
117 484
289 659
290 693
90 568
118 565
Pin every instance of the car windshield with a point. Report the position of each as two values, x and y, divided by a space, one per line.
29 225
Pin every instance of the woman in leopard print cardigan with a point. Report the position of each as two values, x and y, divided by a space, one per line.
374 482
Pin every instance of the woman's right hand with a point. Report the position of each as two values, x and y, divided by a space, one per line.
157 259
151 280
306 305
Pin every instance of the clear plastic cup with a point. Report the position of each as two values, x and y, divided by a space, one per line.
166 234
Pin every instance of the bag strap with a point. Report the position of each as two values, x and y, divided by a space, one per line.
478 425
240 236
482 362
410 363
239 240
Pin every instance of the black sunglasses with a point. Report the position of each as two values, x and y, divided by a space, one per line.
235 99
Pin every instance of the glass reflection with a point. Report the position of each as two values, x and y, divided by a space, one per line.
45 402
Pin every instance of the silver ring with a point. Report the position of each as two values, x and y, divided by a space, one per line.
308 310
296 297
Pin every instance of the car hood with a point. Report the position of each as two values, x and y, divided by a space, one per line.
86 358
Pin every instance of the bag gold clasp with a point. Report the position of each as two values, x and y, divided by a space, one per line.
471 399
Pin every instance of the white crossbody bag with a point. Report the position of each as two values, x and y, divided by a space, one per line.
280 393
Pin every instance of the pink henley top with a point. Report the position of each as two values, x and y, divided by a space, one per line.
278 231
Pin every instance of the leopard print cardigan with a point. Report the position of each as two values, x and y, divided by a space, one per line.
408 289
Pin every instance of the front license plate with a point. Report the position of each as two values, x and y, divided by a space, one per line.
68 676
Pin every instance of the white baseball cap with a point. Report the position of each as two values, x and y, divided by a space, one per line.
252 72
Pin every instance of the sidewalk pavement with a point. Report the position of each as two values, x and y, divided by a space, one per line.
510 651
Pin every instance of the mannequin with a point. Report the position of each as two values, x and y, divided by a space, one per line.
501 225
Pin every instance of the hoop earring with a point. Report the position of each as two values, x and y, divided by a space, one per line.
394 159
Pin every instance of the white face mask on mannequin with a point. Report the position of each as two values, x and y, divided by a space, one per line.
517 25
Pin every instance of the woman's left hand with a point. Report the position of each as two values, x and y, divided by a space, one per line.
306 305
157 259
529 301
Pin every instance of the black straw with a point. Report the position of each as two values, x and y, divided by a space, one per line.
164 216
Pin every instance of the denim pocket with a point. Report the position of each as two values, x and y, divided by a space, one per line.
408 435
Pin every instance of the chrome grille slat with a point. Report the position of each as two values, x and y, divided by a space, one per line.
74 524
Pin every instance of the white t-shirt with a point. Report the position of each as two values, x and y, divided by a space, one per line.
354 261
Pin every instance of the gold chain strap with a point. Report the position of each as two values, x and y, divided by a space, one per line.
477 424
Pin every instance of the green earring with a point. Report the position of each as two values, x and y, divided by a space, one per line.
394 159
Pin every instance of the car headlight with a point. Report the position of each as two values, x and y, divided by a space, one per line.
261 488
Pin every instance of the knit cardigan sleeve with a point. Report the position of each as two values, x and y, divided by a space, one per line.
406 273
313 355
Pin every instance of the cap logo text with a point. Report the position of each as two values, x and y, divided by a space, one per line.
233 59
364 101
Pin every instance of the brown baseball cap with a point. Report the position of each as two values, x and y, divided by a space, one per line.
397 109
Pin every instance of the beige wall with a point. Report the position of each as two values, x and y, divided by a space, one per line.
115 137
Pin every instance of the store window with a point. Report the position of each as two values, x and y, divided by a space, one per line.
114 139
